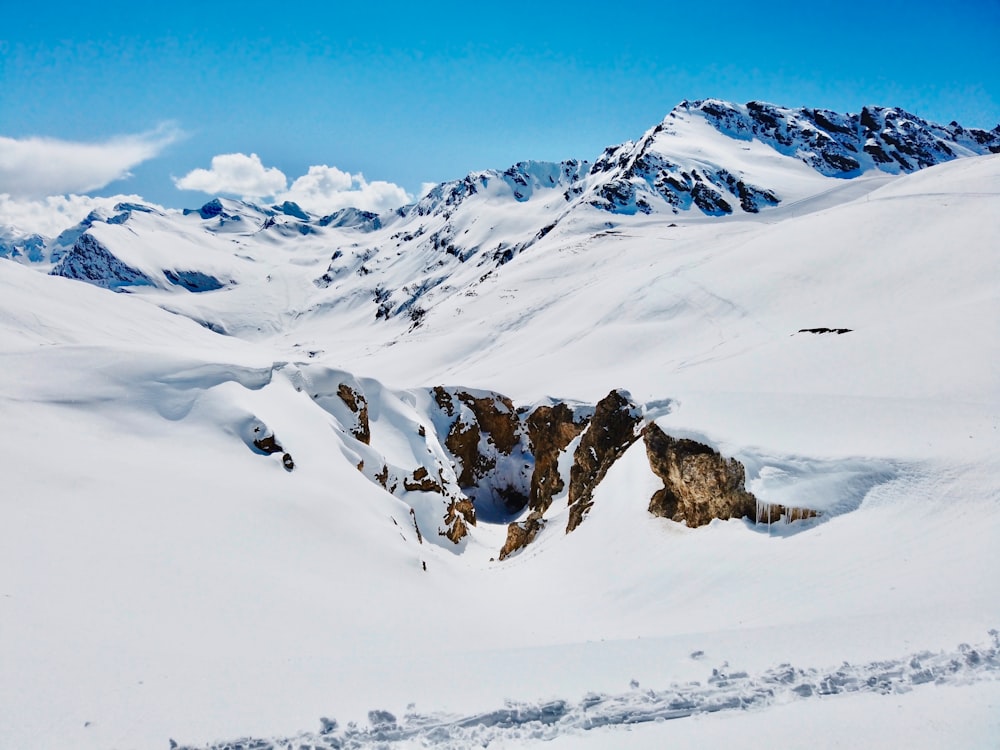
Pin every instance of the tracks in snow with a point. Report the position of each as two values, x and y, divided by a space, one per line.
725 690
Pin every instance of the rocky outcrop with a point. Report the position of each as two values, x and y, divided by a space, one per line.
550 429
421 481
358 404
489 445
383 478
497 418
481 459
521 533
416 528
612 429
208 211
193 281
699 484
837 144
463 442
459 516
265 443
92 262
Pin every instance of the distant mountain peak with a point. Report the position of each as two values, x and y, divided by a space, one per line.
888 139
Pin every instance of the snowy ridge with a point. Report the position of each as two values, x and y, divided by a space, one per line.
707 158
838 145
21 246
727 689
679 163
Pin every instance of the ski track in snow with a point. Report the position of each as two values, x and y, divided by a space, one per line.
726 689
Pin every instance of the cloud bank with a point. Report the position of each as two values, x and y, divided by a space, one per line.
51 215
36 167
322 190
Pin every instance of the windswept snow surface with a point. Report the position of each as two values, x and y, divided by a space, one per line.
159 578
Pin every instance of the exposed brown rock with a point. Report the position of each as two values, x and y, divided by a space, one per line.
699 484
550 430
416 527
266 442
496 417
443 400
463 442
487 440
421 482
459 516
612 430
358 404
522 533
383 476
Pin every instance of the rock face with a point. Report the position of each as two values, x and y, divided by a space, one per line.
92 262
634 177
521 533
888 138
463 457
551 429
460 515
489 446
193 281
421 481
265 443
612 430
698 483
357 403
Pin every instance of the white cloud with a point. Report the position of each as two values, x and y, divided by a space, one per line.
237 174
322 190
322 180
49 216
36 167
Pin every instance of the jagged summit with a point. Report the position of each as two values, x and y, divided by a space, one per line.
683 162
696 158
520 182
844 145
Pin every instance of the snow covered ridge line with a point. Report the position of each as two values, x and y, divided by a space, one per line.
675 166
705 161
725 689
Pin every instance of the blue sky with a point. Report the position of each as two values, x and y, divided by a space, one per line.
423 92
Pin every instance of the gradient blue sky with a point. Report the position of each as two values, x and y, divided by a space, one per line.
420 92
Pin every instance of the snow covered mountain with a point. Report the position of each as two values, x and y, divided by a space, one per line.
706 159
726 395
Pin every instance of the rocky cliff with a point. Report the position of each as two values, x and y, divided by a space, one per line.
475 457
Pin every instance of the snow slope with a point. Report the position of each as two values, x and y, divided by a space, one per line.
162 576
